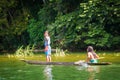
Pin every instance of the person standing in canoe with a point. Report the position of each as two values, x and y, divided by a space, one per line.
47 46
92 57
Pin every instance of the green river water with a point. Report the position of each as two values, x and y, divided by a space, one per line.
11 68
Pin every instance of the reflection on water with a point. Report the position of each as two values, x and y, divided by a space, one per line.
48 72
92 71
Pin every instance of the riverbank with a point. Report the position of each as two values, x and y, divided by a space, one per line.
69 57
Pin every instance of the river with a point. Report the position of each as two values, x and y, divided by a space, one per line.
12 68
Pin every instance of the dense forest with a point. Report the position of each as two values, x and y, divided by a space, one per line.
72 24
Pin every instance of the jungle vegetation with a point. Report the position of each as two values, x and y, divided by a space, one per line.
72 24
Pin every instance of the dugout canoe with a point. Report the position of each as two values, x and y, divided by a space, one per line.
61 63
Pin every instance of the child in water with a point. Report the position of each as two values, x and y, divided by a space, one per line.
92 57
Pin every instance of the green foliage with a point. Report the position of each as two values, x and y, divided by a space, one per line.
97 14
60 52
36 31
23 52
36 27
13 24
63 29
73 24
12 21
87 25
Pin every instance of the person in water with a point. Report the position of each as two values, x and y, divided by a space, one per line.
47 46
92 57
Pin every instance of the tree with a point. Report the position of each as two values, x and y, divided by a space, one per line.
13 22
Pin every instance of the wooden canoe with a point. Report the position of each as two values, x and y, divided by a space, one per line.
61 63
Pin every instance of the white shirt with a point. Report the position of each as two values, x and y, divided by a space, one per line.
47 41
